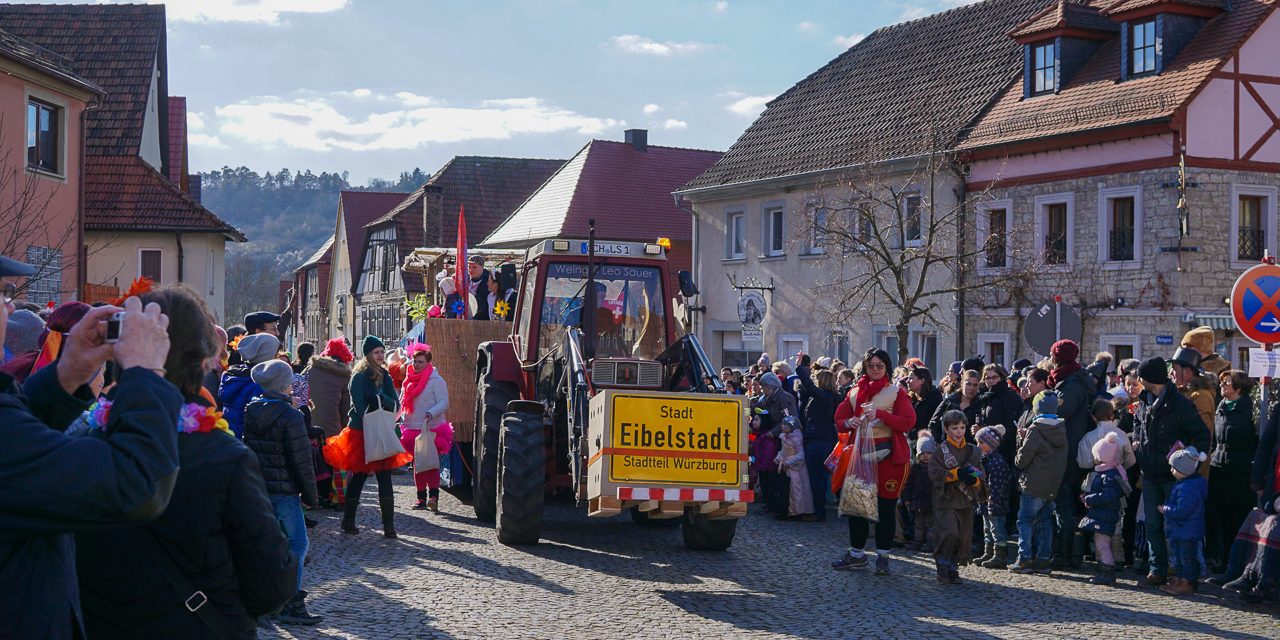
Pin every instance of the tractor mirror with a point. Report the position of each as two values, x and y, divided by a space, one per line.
687 287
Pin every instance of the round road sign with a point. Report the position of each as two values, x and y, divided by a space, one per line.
1255 303
1049 323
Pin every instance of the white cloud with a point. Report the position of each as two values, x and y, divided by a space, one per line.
671 124
195 121
721 6
202 140
806 26
318 123
263 11
844 42
914 12
749 106
631 43
651 108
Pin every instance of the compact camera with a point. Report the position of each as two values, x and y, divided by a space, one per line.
114 325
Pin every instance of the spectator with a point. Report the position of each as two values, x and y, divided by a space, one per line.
818 407
261 322
49 344
966 400
23 333
1000 405
1104 492
925 399
1236 444
1040 457
1076 391
238 388
955 473
997 476
423 405
306 351
212 381
1197 388
918 494
328 379
1184 521
770 409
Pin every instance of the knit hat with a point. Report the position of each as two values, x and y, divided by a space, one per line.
1186 461
371 343
955 367
1020 364
972 363
763 360
1046 403
770 379
1154 370
1107 450
925 445
991 436
258 347
273 375
23 332
337 348
1064 351
446 284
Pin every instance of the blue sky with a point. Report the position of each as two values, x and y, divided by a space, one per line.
379 86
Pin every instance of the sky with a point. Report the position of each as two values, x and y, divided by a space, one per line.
376 87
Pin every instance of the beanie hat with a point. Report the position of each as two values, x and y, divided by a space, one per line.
925 445
1020 364
991 436
1154 370
770 379
1046 403
1186 461
258 347
23 332
955 367
972 363
273 375
1064 351
446 284
1107 450
371 343
337 349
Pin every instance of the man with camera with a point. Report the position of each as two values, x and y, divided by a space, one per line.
55 484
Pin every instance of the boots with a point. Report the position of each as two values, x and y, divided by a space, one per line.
999 558
988 552
944 576
388 506
1075 550
1107 576
433 505
349 516
295 612
1178 587
422 500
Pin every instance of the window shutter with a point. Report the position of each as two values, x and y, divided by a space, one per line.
1029 70
1124 50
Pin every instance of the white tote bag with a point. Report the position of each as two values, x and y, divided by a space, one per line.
425 455
380 441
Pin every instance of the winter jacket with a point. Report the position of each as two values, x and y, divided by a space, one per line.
365 394
55 485
433 399
1235 444
1084 450
1203 394
274 430
1041 457
1001 405
328 380
1265 460
1104 496
918 492
998 476
951 402
765 446
236 391
898 420
949 492
817 408
1160 423
220 530
1075 399
925 407
212 382
1184 519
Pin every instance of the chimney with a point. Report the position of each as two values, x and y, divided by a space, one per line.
638 138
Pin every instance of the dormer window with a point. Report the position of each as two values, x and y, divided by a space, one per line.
1045 70
1142 54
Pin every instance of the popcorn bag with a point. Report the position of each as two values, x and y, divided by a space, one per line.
858 493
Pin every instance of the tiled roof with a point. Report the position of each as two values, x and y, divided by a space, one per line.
886 97
627 191
38 57
1094 98
323 254
1125 6
177 140
319 260
126 193
359 208
115 46
1064 14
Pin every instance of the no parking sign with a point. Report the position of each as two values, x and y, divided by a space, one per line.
1255 303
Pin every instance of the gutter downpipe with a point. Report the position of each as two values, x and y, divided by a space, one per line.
181 258
961 192
82 251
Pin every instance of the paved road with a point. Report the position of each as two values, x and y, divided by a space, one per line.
448 577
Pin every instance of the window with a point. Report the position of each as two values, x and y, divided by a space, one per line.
838 345
1120 226
388 265
1241 349
1249 228
926 348
1044 73
736 354
817 234
1142 47
149 264
1253 211
46 285
995 226
313 284
911 223
42 136
774 232
888 340
1055 227
735 246
1123 347
789 344
995 348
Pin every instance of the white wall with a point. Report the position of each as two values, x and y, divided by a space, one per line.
114 261
149 148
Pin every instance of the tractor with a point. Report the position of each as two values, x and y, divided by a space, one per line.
595 396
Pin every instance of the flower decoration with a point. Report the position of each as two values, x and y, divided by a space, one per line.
140 285
192 418
457 308
502 308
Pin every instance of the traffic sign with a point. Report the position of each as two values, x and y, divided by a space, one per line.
1255 303
1049 323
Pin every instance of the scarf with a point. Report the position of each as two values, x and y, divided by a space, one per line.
1062 372
866 389
1107 466
414 382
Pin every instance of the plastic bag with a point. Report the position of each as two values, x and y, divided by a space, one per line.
858 493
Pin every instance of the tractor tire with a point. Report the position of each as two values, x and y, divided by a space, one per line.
704 534
641 518
491 403
521 474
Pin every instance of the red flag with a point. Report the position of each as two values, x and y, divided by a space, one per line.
462 279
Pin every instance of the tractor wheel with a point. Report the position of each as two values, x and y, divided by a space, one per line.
704 534
641 518
521 474
491 403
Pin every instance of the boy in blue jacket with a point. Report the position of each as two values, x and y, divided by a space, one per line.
1184 521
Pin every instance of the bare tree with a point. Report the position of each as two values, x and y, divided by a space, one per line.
25 200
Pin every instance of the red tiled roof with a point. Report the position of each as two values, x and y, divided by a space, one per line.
126 193
627 191
47 61
1125 6
1076 14
359 208
115 46
1095 99
886 97
178 141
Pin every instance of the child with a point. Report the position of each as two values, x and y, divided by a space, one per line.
1104 494
1184 521
997 476
1104 416
1042 459
918 494
791 462
955 476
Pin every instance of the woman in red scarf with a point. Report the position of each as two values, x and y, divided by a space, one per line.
893 417
423 403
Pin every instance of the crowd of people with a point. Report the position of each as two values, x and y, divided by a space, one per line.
197 451
1163 466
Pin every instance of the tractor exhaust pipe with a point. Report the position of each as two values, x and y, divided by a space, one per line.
589 300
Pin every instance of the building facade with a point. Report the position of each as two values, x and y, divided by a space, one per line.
355 210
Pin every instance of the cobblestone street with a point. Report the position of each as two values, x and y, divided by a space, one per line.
448 577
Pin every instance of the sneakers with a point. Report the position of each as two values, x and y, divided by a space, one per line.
1152 580
849 561
295 612
1023 566
882 565
1176 586
1107 576
420 505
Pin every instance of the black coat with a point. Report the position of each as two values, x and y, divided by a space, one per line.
1264 461
481 312
275 431
220 529
52 485
953 402
1001 405
1159 423
817 408
1235 437
1075 399
925 407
